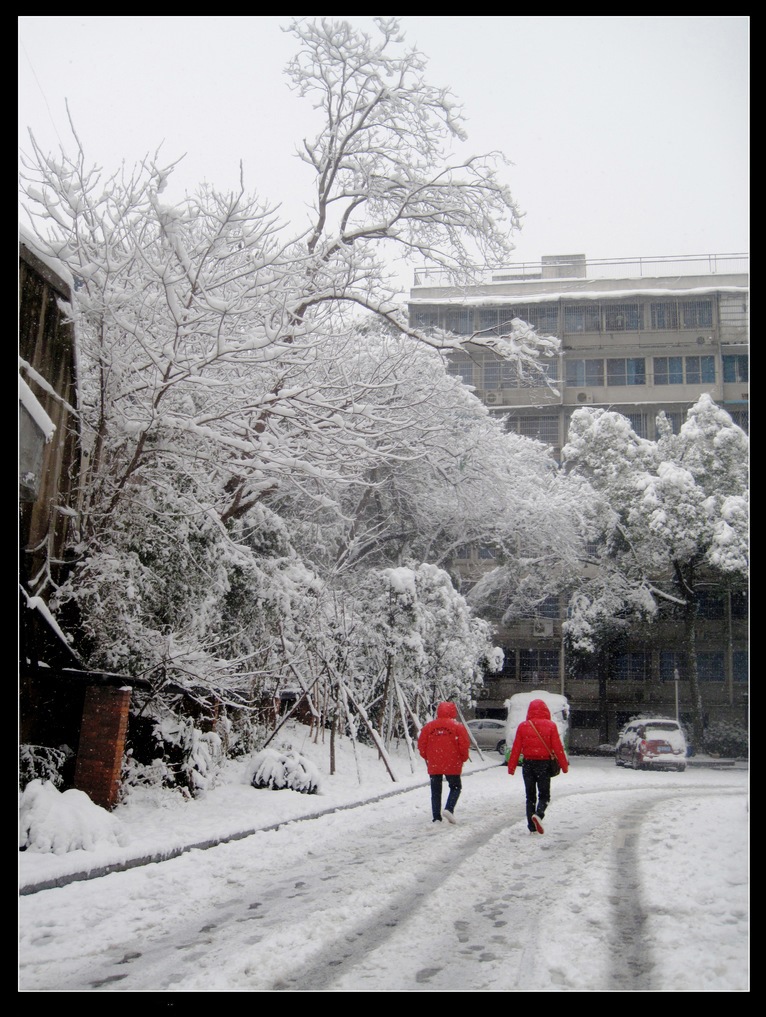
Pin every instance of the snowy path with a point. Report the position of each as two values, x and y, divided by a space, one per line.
379 899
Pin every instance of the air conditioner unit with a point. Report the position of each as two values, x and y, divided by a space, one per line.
584 397
542 627
492 397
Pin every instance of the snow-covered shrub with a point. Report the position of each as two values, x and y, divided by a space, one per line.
173 752
52 821
278 770
41 762
724 738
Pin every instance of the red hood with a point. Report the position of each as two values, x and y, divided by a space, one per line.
538 710
444 710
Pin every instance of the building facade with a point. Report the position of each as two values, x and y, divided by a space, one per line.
637 336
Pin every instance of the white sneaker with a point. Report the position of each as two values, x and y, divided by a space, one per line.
538 824
449 817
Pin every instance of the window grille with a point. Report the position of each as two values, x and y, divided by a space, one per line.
669 662
697 313
739 665
710 665
545 429
539 666
461 369
741 418
622 317
582 318
426 319
638 421
633 666
488 319
500 374
664 315
459 322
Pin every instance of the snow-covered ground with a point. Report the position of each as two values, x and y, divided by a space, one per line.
640 882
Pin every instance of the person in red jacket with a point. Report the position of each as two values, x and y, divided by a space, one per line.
444 744
536 737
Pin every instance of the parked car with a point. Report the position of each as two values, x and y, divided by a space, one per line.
651 744
518 705
489 734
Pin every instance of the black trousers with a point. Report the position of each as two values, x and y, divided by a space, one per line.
455 787
537 784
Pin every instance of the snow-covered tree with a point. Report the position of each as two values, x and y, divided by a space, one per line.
674 519
229 401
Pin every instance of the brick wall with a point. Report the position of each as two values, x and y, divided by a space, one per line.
102 743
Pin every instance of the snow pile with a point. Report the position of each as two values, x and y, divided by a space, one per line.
52 821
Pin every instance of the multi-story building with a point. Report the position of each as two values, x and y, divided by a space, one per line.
637 336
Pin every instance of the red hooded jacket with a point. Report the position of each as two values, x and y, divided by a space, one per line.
529 745
444 742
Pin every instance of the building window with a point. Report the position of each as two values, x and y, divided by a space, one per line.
674 419
671 370
741 418
539 666
739 605
460 322
544 429
544 376
638 421
735 368
582 318
500 374
697 313
710 665
623 317
634 666
670 661
699 370
739 665
488 319
626 371
544 318
668 371
584 373
710 604
426 320
463 552
486 552
461 369
549 608
664 315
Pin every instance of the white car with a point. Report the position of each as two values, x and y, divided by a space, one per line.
488 733
651 743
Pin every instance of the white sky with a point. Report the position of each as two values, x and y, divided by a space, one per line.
640 882
629 135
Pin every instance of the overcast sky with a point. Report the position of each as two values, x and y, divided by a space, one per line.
629 136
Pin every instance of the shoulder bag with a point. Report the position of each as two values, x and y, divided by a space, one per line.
555 767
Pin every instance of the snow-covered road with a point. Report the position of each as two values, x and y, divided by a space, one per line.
377 898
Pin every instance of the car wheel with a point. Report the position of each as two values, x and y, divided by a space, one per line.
500 747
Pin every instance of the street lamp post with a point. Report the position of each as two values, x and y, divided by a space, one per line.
675 682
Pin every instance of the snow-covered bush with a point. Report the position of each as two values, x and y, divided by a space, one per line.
52 821
41 762
728 739
278 770
172 752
